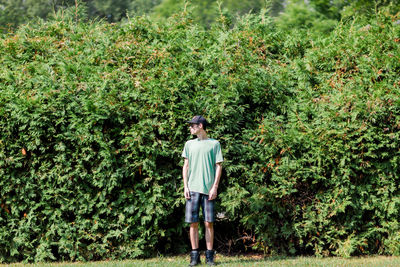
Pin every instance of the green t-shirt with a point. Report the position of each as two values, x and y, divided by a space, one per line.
203 155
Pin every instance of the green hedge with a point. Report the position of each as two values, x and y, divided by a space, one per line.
324 174
92 127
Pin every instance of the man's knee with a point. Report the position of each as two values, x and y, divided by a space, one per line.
208 224
194 225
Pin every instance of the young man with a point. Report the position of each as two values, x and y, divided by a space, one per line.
201 174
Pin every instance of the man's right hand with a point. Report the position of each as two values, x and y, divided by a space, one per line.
187 193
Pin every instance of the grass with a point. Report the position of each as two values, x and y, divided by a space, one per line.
234 262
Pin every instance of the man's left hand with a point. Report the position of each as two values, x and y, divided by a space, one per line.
212 194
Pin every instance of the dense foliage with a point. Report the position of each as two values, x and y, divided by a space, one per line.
92 127
323 176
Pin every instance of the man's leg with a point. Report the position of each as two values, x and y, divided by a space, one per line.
192 217
209 228
194 235
209 218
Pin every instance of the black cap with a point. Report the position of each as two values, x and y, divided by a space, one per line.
199 119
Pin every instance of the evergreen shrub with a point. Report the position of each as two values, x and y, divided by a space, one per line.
324 174
92 125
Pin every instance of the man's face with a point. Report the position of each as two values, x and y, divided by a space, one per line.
194 128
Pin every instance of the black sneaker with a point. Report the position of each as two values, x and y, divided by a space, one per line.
194 258
210 257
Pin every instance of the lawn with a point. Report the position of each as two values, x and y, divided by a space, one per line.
235 261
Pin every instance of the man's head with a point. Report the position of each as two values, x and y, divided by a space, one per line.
197 124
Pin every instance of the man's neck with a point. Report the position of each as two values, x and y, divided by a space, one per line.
202 135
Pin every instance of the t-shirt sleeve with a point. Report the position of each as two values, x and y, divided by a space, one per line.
185 152
218 153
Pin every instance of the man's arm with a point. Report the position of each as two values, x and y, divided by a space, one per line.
214 189
185 171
